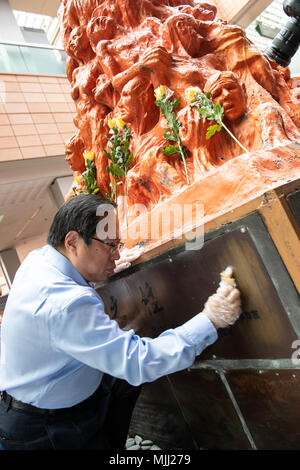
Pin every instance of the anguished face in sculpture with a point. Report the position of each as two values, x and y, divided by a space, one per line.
78 45
100 28
202 11
182 30
74 151
226 89
136 104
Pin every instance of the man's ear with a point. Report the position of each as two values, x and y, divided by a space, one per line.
71 241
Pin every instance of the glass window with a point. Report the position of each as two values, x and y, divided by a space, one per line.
24 59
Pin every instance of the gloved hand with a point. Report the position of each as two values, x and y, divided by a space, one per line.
126 258
224 307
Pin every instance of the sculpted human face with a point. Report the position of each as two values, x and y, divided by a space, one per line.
74 149
99 29
133 100
78 45
188 35
231 97
125 104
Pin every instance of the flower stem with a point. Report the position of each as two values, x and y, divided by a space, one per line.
184 162
178 140
115 189
234 138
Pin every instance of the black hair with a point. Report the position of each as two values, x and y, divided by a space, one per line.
79 214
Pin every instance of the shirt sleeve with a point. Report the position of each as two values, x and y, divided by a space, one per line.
84 331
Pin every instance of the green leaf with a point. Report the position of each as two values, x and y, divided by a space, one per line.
170 150
120 157
169 136
109 155
212 130
175 102
115 170
208 109
204 112
218 112
172 132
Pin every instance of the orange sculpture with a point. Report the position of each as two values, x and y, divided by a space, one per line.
120 51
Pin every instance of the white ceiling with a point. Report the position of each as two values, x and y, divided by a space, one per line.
26 208
26 202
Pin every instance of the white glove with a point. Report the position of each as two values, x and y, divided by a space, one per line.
224 307
127 256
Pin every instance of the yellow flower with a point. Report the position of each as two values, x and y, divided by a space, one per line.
120 123
89 155
77 179
162 91
112 123
190 94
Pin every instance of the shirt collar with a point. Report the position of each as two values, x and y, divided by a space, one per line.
64 265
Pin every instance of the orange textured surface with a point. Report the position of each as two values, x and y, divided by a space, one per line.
121 50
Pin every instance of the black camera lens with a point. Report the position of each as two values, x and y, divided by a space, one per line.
286 43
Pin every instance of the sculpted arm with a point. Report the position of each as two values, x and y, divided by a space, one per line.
155 63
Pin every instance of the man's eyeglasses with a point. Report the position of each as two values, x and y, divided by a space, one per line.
114 246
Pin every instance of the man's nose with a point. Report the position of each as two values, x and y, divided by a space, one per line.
115 255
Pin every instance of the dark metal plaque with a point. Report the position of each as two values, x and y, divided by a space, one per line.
157 416
167 291
270 404
293 200
208 410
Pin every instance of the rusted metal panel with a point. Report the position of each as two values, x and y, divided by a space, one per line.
270 403
166 292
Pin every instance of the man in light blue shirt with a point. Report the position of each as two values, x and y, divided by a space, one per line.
69 375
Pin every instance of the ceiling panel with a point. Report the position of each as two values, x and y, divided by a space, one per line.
22 192
26 203
27 209
42 7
